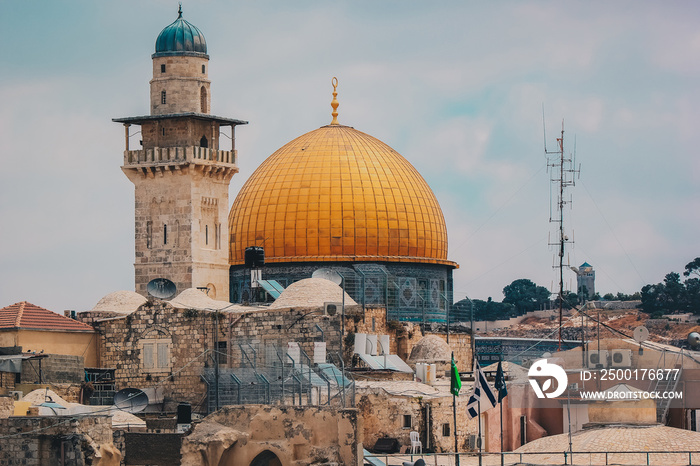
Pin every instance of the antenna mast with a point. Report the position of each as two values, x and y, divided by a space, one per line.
563 172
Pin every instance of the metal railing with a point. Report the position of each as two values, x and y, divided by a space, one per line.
651 458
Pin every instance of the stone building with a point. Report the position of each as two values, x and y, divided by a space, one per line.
40 346
49 440
180 172
276 435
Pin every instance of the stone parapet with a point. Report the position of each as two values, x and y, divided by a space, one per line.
180 155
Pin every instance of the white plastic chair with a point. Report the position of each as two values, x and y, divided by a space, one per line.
415 443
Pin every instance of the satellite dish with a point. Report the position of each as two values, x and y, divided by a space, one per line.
161 288
131 400
694 339
328 274
641 334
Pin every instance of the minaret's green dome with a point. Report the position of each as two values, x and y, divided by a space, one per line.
180 38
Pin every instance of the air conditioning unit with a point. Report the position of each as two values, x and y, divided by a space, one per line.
331 309
621 358
473 442
598 358
16 395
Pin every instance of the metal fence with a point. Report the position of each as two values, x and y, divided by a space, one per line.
269 374
658 457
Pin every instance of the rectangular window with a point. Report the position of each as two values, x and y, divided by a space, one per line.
162 68
206 235
149 234
446 430
165 233
162 97
155 354
407 421
148 362
221 351
163 358
203 69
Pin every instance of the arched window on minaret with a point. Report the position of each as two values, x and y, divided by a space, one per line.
162 97
203 99
203 142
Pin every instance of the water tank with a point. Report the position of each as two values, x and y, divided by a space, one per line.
254 257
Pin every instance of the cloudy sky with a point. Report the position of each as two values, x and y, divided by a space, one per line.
456 87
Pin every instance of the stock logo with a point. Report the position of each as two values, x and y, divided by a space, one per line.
542 370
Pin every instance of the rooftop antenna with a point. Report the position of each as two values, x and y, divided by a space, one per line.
563 172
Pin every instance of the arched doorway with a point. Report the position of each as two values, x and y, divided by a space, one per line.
203 142
266 458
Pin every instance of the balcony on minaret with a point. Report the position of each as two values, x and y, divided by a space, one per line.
180 155
176 141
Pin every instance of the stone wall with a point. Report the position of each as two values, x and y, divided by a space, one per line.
263 328
387 415
181 220
189 339
139 449
55 368
403 336
43 439
183 78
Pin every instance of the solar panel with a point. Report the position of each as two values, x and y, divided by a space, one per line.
272 287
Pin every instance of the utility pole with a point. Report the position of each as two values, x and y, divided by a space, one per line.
562 170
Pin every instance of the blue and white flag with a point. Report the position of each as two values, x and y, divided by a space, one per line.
481 391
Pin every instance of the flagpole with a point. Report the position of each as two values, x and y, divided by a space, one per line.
480 439
501 406
453 383
454 415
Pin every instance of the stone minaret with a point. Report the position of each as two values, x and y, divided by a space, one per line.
180 173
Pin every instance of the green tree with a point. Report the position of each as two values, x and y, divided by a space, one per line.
673 295
692 293
692 268
493 310
571 299
525 295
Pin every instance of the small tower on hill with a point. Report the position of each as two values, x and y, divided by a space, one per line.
585 277
181 175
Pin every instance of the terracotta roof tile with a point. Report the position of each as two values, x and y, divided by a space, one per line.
27 315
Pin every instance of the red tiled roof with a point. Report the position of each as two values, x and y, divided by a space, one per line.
27 315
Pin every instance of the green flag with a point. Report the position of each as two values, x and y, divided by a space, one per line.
455 381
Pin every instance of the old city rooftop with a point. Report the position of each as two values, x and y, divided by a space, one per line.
29 316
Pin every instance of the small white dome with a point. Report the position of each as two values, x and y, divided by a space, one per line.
311 292
121 302
192 298
430 349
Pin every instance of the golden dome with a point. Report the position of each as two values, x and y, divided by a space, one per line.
337 194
